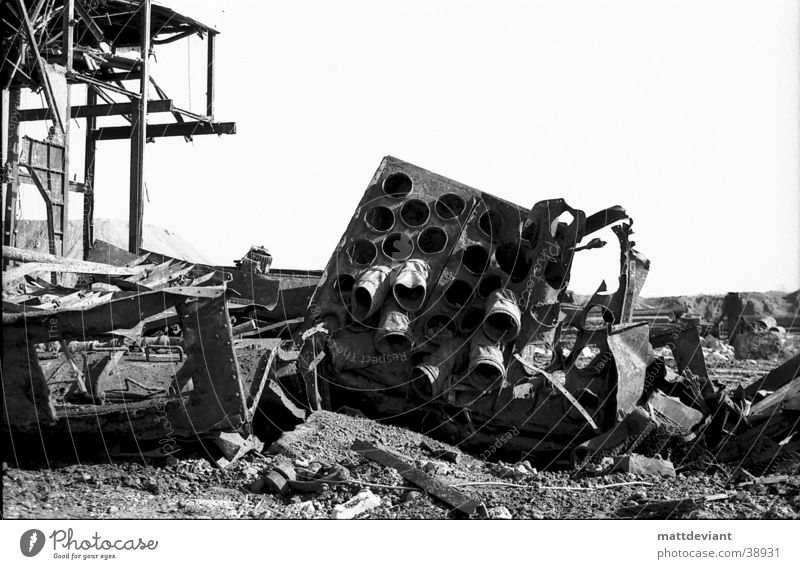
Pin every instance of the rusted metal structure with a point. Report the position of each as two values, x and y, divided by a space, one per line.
56 46
443 308
446 301
147 349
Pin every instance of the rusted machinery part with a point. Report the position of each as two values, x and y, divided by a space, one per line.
410 284
468 288
222 398
503 319
394 335
369 292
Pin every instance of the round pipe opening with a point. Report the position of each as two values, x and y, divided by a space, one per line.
512 261
450 206
489 371
498 325
432 240
491 223
471 320
362 252
394 343
415 213
379 218
488 285
362 301
409 297
398 246
458 293
438 328
475 259
397 185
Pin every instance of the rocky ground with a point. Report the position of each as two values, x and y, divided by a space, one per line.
191 487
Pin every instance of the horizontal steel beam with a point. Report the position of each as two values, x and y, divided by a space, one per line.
106 75
156 106
172 129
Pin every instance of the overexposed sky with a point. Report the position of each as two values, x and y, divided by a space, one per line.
684 112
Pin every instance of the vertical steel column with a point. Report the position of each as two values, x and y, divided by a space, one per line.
11 161
68 26
88 176
210 77
139 139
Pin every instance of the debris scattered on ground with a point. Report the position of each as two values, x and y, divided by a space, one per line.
500 513
640 465
357 505
429 484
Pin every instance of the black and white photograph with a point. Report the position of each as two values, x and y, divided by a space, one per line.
535 265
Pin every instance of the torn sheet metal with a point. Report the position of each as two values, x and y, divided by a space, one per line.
191 384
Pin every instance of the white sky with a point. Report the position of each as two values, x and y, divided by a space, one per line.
684 112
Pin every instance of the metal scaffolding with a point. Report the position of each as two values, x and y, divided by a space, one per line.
54 46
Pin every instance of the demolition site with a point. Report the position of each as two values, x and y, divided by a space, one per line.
438 366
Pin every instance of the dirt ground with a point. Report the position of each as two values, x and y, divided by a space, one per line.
191 487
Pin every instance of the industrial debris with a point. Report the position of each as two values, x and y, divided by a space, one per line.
443 310
157 349
358 504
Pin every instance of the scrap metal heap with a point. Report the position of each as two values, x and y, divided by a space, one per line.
441 309
149 347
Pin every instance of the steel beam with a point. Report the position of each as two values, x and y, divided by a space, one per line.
171 129
210 77
67 43
138 137
94 110
34 47
88 174
11 157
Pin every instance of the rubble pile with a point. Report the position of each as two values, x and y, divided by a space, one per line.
715 351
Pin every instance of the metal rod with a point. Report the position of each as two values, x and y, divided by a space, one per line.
11 157
88 175
210 77
139 139
67 41
48 89
169 129
94 110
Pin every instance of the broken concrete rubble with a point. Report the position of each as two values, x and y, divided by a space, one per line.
641 465
357 505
